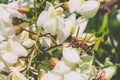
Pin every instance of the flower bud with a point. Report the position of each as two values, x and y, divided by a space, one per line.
65 5
28 43
17 29
41 74
24 9
53 61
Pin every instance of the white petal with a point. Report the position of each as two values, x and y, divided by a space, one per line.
24 35
2 65
71 55
61 22
45 41
63 35
81 25
42 18
16 75
17 48
74 5
10 58
110 71
28 43
67 30
51 76
51 26
61 68
89 9
1 37
73 76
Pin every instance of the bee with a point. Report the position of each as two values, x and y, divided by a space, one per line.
83 44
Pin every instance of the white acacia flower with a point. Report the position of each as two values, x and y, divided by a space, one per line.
71 55
87 61
88 9
51 76
6 29
87 73
3 46
8 12
45 41
17 48
48 19
81 24
2 65
1 37
6 15
10 58
66 29
61 68
73 76
74 5
3 77
16 75
51 26
28 43
110 72
24 35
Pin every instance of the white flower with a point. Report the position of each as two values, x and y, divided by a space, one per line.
81 24
8 12
61 68
1 37
74 5
3 46
24 35
17 48
51 26
9 58
73 76
42 18
89 9
6 29
67 30
28 43
87 61
16 75
110 71
2 65
48 19
6 15
3 77
45 41
70 55
51 76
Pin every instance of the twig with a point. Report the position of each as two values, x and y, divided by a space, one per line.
29 31
53 47
108 5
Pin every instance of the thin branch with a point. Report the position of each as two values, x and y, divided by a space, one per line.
108 5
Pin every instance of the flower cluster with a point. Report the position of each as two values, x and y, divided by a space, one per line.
26 44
